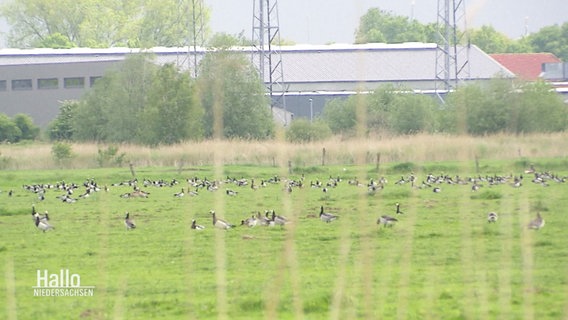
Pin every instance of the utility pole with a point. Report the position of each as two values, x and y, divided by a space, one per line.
197 32
266 55
452 52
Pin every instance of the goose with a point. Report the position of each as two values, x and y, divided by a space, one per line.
221 224
34 213
387 221
263 221
279 220
196 226
128 222
250 222
326 217
43 225
492 217
179 194
231 192
193 193
436 190
398 209
537 223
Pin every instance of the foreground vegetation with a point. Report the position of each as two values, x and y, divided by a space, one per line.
442 260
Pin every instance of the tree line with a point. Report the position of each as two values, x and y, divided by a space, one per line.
377 25
140 102
501 106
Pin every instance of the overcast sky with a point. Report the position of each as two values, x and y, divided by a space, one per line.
326 21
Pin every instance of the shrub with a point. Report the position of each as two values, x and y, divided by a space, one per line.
61 152
302 130
109 156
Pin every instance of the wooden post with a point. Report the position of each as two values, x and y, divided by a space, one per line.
323 157
476 164
289 167
180 167
378 161
132 170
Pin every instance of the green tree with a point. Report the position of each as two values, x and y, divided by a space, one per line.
222 40
504 106
111 110
26 126
172 113
341 115
103 23
380 26
61 128
233 97
481 110
412 113
537 108
552 39
56 41
9 131
302 130
490 40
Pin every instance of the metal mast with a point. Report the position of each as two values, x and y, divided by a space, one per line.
452 52
197 31
266 55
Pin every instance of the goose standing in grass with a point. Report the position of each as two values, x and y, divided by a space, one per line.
398 209
326 217
196 226
43 225
128 222
492 217
219 223
387 221
35 215
537 223
231 192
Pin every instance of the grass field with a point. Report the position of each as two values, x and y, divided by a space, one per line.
442 259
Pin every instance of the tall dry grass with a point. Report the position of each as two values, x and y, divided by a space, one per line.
416 148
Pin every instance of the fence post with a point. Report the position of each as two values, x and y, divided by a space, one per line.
476 164
132 170
289 167
323 157
378 160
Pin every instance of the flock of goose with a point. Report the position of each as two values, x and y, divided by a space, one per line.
270 218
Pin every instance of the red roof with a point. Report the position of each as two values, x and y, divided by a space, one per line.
526 66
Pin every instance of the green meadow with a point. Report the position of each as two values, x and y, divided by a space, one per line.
441 260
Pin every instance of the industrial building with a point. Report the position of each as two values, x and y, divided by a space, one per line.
35 81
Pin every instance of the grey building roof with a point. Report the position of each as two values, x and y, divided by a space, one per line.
302 63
